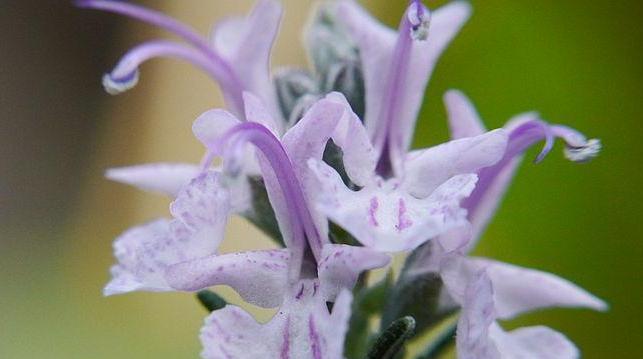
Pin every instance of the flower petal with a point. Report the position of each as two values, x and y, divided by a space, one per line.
359 157
145 253
137 250
212 124
480 336
341 265
256 111
427 169
533 342
165 178
517 290
302 328
463 118
476 318
385 217
375 42
260 277
246 43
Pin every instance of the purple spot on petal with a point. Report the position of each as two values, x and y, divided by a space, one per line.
314 338
285 346
403 221
372 210
301 292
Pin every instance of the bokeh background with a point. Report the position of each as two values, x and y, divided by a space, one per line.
577 62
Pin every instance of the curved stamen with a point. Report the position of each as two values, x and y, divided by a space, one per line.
231 146
523 136
125 75
388 141
186 32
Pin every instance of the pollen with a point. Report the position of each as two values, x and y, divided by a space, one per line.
584 153
117 86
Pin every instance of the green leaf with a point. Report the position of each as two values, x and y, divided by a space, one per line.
261 214
391 341
210 300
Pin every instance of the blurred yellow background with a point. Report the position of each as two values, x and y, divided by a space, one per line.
577 62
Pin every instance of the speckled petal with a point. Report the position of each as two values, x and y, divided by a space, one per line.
385 217
145 253
302 328
260 277
341 265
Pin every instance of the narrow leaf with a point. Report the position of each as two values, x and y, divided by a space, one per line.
391 341
210 300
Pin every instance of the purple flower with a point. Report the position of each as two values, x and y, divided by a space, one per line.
202 208
388 197
403 199
318 271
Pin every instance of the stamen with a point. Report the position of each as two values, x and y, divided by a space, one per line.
226 76
231 145
523 136
125 75
387 139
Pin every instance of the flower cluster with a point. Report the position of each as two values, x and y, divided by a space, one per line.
320 160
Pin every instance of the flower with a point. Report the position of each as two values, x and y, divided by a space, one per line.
319 272
181 255
403 199
296 156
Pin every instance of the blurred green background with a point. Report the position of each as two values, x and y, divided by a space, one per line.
577 62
